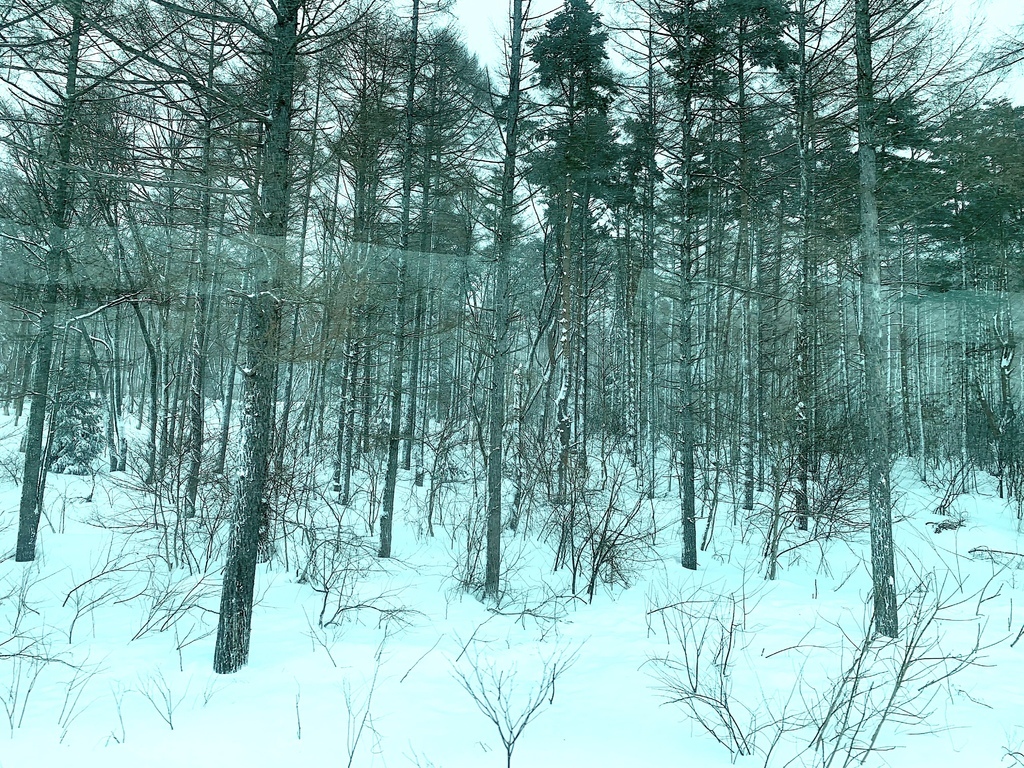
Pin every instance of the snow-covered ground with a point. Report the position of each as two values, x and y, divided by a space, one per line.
105 651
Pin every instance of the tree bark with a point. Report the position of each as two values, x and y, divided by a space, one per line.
250 524
398 350
501 341
56 254
804 308
875 401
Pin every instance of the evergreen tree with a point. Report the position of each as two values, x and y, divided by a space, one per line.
77 439
574 163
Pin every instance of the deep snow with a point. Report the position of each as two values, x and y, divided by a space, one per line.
129 642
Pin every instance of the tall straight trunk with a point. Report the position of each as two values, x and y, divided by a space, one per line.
1007 412
196 386
248 508
203 317
686 436
398 349
250 524
346 421
804 306
845 337
903 339
366 400
421 278
394 419
687 426
501 340
919 380
347 376
153 379
350 427
964 368
637 310
581 392
289 385
176 363
566 344
883 569
56 253
745 260
229 395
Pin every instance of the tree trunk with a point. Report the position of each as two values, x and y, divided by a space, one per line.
250 523
203 317
398 360
248 508
229 395
804 307
501 340
154 392
875 401
56 254
687 432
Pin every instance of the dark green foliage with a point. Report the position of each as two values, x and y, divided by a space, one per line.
981 155
77 434
572 68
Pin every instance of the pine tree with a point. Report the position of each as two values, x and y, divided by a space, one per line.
574 164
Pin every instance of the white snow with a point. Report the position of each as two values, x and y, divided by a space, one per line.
130 642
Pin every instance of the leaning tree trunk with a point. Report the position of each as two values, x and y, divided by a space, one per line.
875 401
56 254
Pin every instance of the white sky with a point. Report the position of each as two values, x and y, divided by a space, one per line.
485 21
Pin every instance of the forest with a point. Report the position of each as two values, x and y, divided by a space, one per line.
302 288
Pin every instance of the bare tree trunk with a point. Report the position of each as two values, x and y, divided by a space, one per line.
203 316
56 253
875 401
250 523
421 279
153 379
501 340
804 308
229 395
248 510
687 432
289 385
398 351
565 344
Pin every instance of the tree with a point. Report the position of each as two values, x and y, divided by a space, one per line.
691 56
56 175
401 289
750 37
883 571
574 165
282 53
503 244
